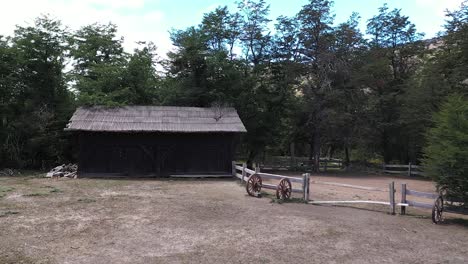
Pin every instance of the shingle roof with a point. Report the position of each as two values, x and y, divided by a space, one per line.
155 119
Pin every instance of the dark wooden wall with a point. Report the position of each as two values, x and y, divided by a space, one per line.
155 154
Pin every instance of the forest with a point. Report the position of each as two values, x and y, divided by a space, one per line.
313 85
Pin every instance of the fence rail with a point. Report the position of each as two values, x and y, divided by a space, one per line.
405 202
245 173
286 163
390 202
403 169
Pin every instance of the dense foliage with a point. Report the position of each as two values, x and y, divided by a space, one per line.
446 154
311 86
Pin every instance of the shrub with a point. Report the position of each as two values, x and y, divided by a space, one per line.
446 153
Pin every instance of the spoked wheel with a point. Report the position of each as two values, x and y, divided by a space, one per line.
254 185
437 210
283 190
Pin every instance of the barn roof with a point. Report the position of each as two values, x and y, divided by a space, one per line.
156 119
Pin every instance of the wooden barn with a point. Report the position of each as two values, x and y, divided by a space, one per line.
157 141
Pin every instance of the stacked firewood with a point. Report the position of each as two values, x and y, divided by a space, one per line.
65 170
9 172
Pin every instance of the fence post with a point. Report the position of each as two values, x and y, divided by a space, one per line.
409 169
234 168
403 198
243 172
391 191
304 179
257 169
307 196
326 163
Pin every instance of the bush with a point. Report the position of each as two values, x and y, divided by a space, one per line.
446 153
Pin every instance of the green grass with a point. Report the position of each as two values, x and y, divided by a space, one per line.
56 190
86 200
291 200
36 194
53 189
7 213
4 190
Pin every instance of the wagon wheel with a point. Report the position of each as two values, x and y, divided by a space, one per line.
283 190
254 185
437 210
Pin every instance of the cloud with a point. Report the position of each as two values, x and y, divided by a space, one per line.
134 21
439 6
433 10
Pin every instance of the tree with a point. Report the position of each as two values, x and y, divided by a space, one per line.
9 81
446 155
316 38
345 122
99 66
442 71
140 76
38 102
286 41
254 36
392 61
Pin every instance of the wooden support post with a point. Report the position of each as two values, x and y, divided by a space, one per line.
257 169
391 191
409 169
243 172
403 199
234 168
305 186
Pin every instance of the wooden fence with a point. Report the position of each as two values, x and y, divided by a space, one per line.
407 192
391 190
287 163
243 173
402 169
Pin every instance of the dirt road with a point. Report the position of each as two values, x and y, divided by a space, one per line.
203 221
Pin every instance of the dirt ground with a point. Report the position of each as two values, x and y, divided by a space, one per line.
212 221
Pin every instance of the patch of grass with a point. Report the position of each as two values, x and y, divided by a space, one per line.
86 200
36 194
291 200
56 190
52 189
331 232
4 190
7 213
457 221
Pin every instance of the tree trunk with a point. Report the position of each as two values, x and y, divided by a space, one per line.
251 158
346 161
316 150
386 148
311 151
332 151
292 151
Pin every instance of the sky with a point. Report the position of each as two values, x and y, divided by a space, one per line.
151 20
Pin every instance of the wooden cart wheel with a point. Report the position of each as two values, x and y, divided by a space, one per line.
254 185
437 210
283 190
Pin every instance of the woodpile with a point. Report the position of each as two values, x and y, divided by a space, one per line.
64 171
9 172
